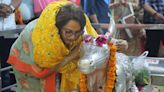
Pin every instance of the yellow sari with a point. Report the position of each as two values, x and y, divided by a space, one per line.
49 50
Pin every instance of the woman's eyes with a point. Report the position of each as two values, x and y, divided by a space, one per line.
68 32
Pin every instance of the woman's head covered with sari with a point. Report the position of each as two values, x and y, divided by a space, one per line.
50 44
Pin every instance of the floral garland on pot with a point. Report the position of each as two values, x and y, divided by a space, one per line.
111 72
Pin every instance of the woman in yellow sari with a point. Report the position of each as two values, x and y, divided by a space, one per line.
48 45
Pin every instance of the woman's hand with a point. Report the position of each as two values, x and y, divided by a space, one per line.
5 10
74 53
122 45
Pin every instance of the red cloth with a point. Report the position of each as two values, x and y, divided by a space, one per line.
19 65
76 1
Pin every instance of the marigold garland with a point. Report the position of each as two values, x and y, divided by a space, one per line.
111 72
83 84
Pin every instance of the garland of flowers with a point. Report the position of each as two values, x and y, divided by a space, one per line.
83 84
111 73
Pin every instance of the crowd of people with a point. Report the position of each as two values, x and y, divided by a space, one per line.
53 34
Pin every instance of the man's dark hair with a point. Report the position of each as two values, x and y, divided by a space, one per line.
70 12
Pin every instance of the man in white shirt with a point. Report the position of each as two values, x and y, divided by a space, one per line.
7 22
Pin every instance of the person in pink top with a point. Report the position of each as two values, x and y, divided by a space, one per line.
39 5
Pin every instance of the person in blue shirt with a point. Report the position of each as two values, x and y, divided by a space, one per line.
153 14
97 10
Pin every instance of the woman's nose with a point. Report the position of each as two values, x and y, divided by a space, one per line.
73 37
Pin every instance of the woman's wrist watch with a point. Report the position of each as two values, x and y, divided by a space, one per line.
13 8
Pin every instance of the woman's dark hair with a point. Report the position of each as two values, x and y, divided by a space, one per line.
70 12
